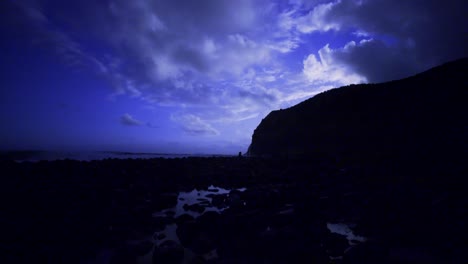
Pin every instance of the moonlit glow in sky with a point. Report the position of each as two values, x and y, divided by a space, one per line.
184 76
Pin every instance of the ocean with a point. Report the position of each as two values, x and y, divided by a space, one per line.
35 156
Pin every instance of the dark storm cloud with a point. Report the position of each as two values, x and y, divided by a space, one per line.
408 36
377 61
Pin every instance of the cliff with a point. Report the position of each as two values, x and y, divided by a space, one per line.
425 114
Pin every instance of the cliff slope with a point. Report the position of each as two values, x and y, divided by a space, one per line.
426 114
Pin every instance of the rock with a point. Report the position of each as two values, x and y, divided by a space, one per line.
184 218
164 201
122 257
373 129
335 244
219 200
198 260
130 252
366 253
194 207
170 213
205 204
161 222
235 201
193 237
211 222
143 248
159 236
235 193
187 233
168 252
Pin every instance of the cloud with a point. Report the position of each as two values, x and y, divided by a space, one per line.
375 60
328 70
315 20
127 120
194 125
407 37
227 61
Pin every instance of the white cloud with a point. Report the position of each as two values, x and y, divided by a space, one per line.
233 61
128 120
188 53
316 20
194 125
328 70
407 37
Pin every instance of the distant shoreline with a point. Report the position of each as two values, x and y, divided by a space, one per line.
39 155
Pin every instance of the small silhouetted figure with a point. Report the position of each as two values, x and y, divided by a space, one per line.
240 154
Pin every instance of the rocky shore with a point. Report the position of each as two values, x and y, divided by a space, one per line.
231 210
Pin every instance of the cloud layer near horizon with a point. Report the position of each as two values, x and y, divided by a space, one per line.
224 62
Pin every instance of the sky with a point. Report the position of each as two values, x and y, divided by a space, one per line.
184 76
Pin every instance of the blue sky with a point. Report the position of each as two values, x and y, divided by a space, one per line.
182 76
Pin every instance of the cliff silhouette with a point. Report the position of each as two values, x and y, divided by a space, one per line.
425 115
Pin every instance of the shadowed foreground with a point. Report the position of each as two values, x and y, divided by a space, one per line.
113 211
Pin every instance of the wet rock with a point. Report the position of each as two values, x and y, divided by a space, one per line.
198 260
366 253
159 236
164 201
123 257
168 252
192 236
194 207
143 248
184 218
161 222
234 200
170 213
235 193
205 204
188 233
335 244
211 222
219 200
129 252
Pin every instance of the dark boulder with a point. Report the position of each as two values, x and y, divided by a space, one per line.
335 244
366 253
161 222
219 200
184 218
164 201
193 236
198 208
169 252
